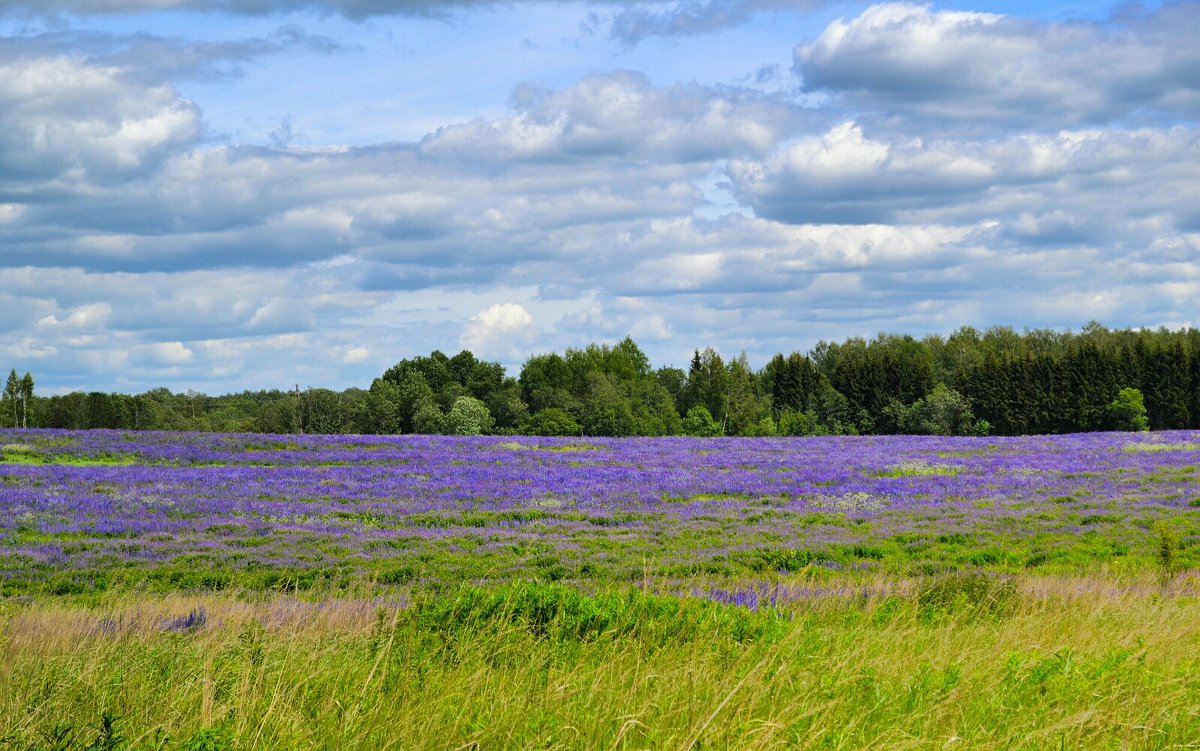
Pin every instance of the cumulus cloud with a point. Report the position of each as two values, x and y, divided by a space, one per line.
620 115
967 66
162 354
136 251
84 317
449 210
1082 184
503 331
63 121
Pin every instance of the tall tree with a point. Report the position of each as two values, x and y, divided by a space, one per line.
12 393
708 384
26 398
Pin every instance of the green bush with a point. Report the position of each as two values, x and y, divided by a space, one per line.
550 421
1128 411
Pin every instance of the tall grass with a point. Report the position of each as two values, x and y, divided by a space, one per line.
981 664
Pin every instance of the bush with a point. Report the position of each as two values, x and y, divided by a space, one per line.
700 422
428 420
550 421
942 411
468 416
1128 411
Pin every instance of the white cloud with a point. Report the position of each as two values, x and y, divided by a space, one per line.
91 316
61 118
504 331
356 355
164 354
620 115
956 65
1084 183
946 168
281 315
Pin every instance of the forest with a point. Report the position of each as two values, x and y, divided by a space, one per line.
992 382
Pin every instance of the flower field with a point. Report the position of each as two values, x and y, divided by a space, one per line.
84 511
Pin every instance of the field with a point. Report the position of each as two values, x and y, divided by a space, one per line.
205 591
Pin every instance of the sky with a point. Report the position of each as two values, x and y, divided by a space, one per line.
222 195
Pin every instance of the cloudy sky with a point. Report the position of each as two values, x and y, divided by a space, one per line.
230 194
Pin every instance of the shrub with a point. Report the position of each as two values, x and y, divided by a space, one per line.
551 421
700 422
468 416
1128 411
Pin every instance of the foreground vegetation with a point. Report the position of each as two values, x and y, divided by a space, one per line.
960 662
203 592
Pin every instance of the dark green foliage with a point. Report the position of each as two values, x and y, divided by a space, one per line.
707 384
943 411
1012 383
871 375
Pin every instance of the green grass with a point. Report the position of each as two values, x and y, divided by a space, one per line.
974 661
23 453
1156 446
916 468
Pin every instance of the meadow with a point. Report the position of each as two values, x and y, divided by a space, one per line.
209 591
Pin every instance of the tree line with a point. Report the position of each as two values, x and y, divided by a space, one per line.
997 381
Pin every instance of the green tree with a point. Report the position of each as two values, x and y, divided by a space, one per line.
1128 411
546 382
468 416
699 422
385 414
551 421
942 411
708 384
790 381
428 419
748 407
795 423
507 408
674 380
26 398
12 394
606 409
832 410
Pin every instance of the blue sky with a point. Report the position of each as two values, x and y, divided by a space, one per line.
229 194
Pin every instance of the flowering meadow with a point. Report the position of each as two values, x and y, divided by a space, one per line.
81 511
221 592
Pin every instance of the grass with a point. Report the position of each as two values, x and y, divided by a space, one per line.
23 453
986 663
1160 446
